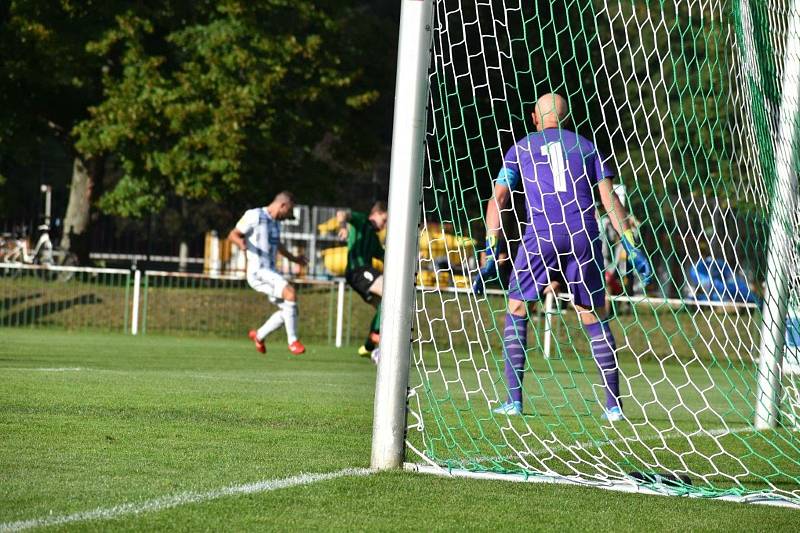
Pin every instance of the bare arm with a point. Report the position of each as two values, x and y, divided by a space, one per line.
613 206
343 217
619 219
299 259
237 238
497 202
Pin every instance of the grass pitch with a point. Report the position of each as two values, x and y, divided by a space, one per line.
94 421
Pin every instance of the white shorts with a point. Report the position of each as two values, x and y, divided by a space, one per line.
268 282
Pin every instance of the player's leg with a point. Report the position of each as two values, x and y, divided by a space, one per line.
584 276
377 286
289 309
282 294
368 283
604 349
373 335
515 343
528 281
264 284
273 323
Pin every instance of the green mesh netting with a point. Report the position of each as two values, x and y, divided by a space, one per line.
684 97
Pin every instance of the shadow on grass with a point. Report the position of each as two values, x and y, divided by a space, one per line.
7 303
34 313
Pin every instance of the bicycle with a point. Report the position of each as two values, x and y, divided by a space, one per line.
17 250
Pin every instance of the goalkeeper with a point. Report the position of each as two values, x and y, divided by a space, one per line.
559 172
360 230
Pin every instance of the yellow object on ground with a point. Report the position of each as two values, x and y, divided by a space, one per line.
329 226
335 260
461 282
434 245
426 278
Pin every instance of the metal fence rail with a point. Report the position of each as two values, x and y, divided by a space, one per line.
150 302
154 302
64 297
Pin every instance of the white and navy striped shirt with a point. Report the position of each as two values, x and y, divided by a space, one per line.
262 237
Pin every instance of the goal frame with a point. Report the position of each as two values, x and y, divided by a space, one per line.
405 188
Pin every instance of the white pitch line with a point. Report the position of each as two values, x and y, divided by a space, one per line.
54 369
183 498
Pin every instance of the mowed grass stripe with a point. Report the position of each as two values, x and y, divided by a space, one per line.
183 498
157 415
150 419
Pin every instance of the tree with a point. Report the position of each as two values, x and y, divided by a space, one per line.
234 103
201 101
49 81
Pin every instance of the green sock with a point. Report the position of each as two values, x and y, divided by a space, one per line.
374 327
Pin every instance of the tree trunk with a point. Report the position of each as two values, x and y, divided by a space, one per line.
77 218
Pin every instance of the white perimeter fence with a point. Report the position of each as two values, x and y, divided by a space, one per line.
155 302
145 302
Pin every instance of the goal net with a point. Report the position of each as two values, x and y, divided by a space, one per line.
691 103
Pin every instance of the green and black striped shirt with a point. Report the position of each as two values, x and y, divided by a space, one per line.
362 242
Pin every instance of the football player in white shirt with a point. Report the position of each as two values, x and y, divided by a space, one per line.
258 233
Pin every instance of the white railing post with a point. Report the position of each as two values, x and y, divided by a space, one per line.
781 237
215 267
405 187
313 267
339 314
137 283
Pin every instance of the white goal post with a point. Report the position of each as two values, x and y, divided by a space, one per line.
781 241
405 186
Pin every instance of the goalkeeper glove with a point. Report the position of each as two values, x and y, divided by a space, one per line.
637 257
489 269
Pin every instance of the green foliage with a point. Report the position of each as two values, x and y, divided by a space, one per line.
207 109
213 101
48 82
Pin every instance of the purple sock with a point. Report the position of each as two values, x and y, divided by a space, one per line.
515 340
604 351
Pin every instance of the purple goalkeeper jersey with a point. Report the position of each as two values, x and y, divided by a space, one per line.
558 169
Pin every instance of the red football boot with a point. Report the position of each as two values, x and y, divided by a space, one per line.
297 348
259 345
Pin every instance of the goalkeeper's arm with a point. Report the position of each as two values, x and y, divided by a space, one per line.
497 202
488 258
619 219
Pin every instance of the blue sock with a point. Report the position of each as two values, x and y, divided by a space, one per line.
515 340
604 351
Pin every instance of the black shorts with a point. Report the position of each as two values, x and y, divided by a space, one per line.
361 279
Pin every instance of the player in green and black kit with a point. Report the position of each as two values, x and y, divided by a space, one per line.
361 232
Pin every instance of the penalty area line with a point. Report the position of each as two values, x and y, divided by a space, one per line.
53 369
183 498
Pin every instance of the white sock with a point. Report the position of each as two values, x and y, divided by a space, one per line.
273 322
289 310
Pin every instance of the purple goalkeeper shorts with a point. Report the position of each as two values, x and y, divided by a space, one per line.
575 261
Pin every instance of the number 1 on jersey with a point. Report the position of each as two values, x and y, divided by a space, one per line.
555 158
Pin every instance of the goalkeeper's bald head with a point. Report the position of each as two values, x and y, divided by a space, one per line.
550 112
